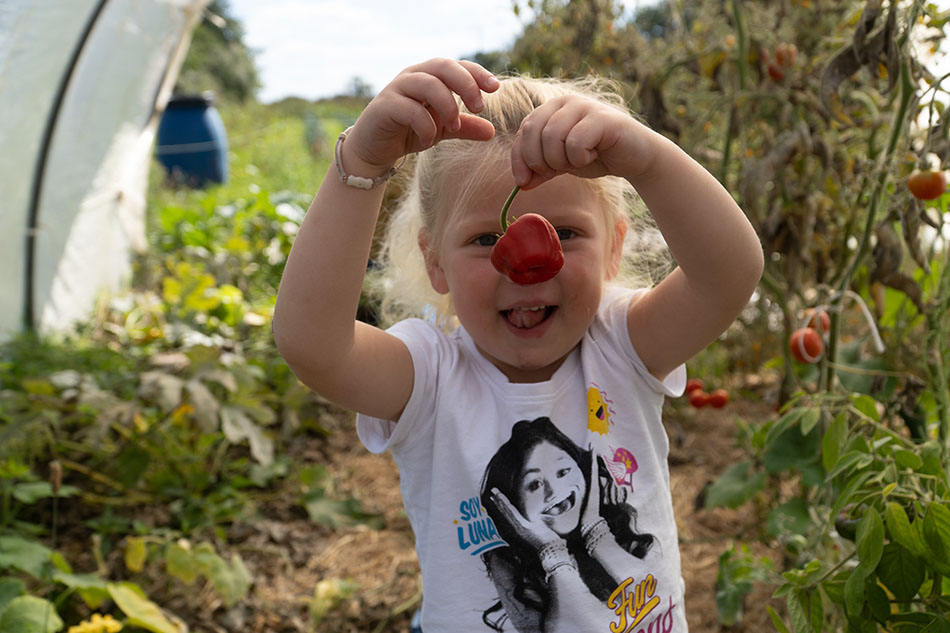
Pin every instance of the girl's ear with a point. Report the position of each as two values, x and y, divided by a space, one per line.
433 266
616 249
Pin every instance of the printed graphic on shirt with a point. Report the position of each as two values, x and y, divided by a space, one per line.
622 466
475 530
558 510
598 411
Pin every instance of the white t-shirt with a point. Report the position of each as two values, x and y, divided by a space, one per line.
462 414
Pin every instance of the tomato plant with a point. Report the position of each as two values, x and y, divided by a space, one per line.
927 185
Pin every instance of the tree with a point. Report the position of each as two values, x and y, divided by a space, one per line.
218 59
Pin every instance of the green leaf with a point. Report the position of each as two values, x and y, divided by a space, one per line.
140 610
91 588
937 625
854 594
931 452
900 530
809 420
908 459
231 580
866 405
878 602
791 517
901 572
783 424
870 539
10 588
792 450
27 556
735 486
776 620
29 614
850 461
797 612
237 426
833 441
135 554
180 563
937 531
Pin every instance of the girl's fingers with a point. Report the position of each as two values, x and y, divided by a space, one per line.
561 136
435 83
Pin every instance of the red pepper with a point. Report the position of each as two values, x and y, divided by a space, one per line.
529 250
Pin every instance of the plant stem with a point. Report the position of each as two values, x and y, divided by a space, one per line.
504 210
877 198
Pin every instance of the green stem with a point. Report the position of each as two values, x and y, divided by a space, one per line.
742 60
877 198
504 210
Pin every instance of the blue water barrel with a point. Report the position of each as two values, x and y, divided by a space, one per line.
192 141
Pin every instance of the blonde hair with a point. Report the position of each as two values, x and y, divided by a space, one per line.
401 282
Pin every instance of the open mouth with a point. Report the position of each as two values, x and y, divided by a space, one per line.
527 318
561 507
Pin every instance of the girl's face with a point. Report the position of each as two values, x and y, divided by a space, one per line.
551 488
527 331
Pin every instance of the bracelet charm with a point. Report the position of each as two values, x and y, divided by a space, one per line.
359 182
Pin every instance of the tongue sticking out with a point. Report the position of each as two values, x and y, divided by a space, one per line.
523 318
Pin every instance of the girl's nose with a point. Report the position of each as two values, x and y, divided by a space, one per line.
548 490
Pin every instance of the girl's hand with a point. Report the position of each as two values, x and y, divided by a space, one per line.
578 135
417 110
535 533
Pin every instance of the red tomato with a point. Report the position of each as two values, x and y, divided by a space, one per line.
927 185
694 383
529 252
786 54
718 398
820 321
806 345
776 73
698 398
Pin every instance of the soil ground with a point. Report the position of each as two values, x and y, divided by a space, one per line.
289 555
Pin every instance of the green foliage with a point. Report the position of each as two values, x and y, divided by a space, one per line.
170 413
869 532
218 59
738 571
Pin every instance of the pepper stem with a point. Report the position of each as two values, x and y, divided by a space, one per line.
504 210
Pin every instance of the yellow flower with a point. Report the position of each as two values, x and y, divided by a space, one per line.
97 623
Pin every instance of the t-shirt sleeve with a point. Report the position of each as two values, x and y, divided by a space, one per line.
614 314
425 344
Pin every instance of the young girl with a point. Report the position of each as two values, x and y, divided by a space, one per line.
593 358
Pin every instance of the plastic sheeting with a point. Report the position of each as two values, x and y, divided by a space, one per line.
82 84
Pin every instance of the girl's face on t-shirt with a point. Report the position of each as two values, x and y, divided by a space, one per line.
552 488
527 331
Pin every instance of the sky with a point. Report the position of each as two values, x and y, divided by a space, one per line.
315 48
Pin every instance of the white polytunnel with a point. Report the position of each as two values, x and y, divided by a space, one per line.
83 84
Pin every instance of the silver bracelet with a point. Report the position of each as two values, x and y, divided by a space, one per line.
358 181
553 556
594 534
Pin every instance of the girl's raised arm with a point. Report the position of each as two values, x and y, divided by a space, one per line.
718 254
351 363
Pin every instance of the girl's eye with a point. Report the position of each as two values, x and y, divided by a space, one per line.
488 239
563 472
565 234
533 485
